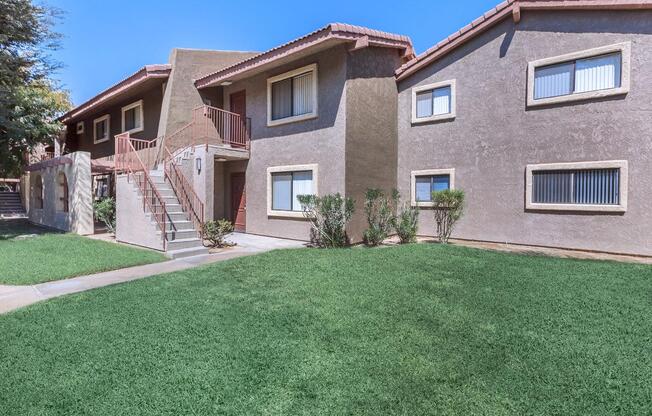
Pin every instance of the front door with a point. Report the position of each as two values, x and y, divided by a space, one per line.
238 105
238 201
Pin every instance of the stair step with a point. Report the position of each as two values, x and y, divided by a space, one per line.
179 226
186 252
182 243
180 234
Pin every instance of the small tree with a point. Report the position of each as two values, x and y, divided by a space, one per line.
215 232
406 223
104 210
448 207
380 210
328 217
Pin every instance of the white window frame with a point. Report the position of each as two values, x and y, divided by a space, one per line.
428 172
436 117
609 164
106 118
286 75
625 63
287 169
79 128
138 104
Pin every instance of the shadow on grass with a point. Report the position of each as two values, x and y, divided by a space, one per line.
12 229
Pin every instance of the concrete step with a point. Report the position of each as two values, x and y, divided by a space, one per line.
181 243
186 252
12 215
173 208
178 216
180 234
179 226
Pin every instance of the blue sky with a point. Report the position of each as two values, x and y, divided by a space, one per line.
104 41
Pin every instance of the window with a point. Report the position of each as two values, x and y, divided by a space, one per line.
62 203
292 96
101 127
594 73
425 182
80 127
433 102
585 186
285 184
38 192
132 117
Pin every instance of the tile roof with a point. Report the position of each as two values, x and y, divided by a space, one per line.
502 11
339 31
144 73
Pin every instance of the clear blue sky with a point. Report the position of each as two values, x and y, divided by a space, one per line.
104 41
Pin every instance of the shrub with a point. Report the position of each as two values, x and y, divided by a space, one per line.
405 223
328 217
380 210
448 206
104 211
215 232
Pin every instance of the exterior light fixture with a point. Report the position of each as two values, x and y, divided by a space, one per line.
198 165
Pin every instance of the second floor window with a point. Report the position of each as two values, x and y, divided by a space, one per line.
593 73
292 96
433 102
132 117
582 75
101 128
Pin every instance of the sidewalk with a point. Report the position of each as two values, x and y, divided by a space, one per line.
14 297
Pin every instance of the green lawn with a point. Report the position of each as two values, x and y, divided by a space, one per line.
412 330
53 256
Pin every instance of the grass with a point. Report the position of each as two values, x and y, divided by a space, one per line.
412 330
30 254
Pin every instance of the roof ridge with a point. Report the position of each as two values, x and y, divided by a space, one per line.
501 11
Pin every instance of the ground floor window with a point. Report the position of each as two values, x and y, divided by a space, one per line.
63 197
37 192
425 182
286 183
578 186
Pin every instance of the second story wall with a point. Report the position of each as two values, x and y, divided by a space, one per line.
495 135
151 99
319 140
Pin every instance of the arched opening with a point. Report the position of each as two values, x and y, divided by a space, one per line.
62 192
37 192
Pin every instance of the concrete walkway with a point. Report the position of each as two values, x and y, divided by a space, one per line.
14 297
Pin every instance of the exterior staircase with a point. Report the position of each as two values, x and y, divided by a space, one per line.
11 206
183 239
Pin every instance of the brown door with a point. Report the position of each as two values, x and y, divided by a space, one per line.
238 201
238 105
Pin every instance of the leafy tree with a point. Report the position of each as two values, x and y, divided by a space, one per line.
328 217
30 101
380 211
448 208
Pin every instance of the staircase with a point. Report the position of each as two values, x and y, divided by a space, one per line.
162 193
11 206
183 238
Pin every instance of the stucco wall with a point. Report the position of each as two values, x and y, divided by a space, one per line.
495 136
79 218
371 145
133 225
152 99
316 141
181 96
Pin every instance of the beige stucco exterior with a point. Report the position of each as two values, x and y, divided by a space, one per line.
496 135
79 217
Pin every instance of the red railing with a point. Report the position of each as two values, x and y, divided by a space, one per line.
47 156
190 202
128 161
214 125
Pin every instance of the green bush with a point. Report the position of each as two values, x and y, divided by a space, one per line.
406 223
380 211
448 207
215 232
328 217
104 211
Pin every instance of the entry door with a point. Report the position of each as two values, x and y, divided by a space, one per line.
238 201
238 105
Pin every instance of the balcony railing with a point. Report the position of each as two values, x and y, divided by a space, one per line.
217 126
